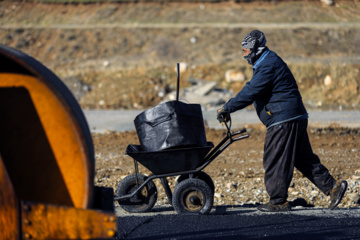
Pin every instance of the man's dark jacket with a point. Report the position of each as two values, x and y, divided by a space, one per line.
272 89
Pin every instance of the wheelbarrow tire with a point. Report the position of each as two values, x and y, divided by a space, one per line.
193 196
145 198
199 175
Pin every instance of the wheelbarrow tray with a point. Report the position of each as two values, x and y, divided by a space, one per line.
170 160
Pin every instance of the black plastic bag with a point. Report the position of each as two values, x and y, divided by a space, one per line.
171 124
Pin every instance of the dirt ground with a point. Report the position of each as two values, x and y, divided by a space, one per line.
237 172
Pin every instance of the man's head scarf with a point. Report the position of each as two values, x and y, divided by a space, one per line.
255 42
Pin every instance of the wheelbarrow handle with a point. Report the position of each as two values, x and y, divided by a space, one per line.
228 127
240 137
238 132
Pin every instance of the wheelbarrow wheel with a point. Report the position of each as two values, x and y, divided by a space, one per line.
143 201
199 175
193 196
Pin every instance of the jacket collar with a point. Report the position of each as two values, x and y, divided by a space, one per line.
261 58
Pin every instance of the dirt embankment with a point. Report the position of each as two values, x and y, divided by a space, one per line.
122 55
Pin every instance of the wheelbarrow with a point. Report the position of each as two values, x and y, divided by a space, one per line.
194 189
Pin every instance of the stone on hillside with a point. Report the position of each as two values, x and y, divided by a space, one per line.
106 63
182 67
234 76
205 88
327 80
202 92
328 2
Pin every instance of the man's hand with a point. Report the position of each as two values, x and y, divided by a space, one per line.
222 115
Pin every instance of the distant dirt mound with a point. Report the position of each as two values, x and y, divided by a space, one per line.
116 56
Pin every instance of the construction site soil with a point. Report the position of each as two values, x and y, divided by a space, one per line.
121 56
238 172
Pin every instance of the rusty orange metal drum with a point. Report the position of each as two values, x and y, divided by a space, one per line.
58 166
46 149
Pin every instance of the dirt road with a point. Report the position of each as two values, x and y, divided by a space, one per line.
244 223
101 121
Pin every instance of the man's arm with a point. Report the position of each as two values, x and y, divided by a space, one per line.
256 87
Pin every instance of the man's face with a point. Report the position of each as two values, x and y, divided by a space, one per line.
246 52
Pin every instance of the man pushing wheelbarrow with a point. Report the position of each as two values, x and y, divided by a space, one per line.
278 103
173 143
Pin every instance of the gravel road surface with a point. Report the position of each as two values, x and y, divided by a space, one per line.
244 223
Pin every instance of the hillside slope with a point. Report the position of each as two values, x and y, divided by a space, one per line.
121 55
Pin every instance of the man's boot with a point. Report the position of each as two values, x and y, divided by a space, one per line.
337 193
267 207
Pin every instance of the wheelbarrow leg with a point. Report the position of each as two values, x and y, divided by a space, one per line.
168 192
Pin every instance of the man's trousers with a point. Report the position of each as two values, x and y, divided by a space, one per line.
287 146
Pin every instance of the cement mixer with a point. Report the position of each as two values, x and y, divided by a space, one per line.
46 158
